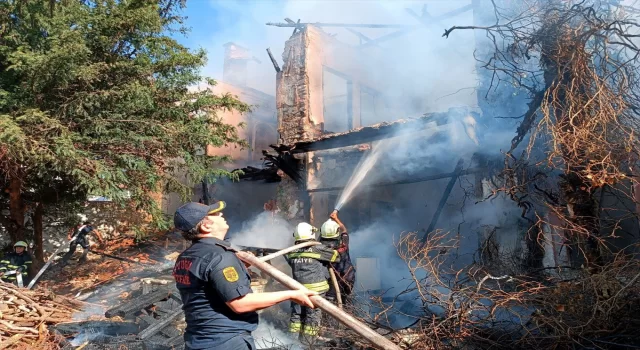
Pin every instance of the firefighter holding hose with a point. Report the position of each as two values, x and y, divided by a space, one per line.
14 267
334 235
78 236
309 266
215 286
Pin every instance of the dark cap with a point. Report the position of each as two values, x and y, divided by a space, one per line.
190 214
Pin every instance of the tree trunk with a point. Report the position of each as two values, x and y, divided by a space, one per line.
16 209
582 212
37 234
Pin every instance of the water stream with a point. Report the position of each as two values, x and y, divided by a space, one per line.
361 171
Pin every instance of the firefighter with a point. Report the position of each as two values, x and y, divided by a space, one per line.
80 233
309 266
17 262
215 287
334 235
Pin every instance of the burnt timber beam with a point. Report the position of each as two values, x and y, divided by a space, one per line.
443 200
427 20
273 61
387 37
407 181
366 134
363 38
158 326
424 19
138 303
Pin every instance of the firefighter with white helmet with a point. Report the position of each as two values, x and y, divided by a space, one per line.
309 266
334 235
14 267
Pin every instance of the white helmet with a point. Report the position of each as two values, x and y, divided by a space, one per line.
329 229
304 231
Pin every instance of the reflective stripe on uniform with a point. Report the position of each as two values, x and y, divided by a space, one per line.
318 287
310 330
305 255
295 327
335 256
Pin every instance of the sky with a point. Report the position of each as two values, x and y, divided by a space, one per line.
216 22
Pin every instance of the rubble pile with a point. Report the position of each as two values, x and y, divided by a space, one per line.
25 316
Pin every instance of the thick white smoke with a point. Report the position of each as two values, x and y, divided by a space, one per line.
421 68
266 230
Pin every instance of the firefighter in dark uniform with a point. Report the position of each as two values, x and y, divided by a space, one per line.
16 262
80 233
309 266
333 234
215 286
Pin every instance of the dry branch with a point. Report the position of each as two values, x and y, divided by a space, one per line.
25 315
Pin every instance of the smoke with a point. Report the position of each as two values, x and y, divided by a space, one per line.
267 336
412 74
419 70
266 230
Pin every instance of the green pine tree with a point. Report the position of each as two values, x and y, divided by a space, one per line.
95 99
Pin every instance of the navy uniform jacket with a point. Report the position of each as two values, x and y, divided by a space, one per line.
208 274
81 234
345 269
14 261
309 266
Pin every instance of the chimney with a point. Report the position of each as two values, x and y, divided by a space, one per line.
236 59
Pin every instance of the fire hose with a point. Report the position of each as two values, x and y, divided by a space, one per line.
18 274
114 257
334 280
287 250
44 268
374 338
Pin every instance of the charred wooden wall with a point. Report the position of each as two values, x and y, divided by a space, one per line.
295 122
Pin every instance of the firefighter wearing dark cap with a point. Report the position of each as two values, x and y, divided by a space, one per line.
333 234
309 266
215 286
16 264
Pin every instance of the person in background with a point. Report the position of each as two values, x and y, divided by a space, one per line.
17 262
215 286
80 233
334 235
309 266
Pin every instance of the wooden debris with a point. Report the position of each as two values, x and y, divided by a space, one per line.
138 303
25 315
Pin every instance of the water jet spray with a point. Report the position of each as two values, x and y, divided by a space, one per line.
364 166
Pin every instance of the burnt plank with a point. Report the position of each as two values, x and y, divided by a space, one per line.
177 340
145 320
129 345
155 328
138 303
174 304
113 328
415 179
368 133
170 331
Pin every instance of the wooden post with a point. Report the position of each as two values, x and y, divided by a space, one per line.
445 195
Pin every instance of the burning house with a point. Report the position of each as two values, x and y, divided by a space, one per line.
351 136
